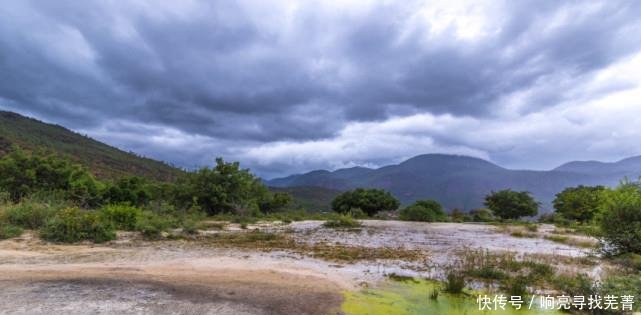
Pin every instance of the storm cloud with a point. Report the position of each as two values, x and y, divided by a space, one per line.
287 86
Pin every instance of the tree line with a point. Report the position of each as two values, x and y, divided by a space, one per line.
615 213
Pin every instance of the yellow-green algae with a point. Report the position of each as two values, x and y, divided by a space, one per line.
412 297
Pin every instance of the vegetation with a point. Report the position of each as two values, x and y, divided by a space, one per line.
425 211
482 215
73 225
508 204
454 282
579 203
121 216
342 221
29 214
259 240
370 201
44 191
9 231
620 219
105 162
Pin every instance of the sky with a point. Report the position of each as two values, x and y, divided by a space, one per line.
291 86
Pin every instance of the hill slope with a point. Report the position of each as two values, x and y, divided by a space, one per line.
103 160
461 181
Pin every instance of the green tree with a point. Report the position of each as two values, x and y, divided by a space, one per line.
22 174
620 219
224 188
508 204
133 190
425 211
579 203
370 201
273 202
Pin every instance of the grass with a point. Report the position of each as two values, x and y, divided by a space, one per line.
572 241
513 274
521 234
258 240
9 231
342 222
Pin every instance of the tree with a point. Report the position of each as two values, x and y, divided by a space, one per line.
425 211
273 202
579 203
23 173
620 219
132 190
508 204
224 188
370 201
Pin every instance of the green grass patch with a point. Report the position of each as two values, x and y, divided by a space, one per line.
9 231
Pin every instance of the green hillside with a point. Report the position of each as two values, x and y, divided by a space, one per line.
103 161
314 199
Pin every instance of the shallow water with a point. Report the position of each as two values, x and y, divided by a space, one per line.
412 297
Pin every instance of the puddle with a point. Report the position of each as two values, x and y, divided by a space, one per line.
413 298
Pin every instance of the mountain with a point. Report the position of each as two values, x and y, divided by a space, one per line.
313 199
623 167
102 160
462 181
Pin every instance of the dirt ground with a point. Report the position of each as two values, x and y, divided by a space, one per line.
131 276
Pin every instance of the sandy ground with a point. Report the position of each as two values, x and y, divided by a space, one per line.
183 277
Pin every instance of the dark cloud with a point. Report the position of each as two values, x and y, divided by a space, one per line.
260 73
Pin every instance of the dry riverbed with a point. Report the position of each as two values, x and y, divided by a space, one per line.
270 268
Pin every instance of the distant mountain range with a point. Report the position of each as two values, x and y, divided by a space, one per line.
462 181
102 160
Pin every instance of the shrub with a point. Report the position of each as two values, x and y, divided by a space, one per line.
357 213
482 215
508 204
457 215
370 201
9 231
190 227
620 220
454 282
516 286
132 190
579 203
151 225
29 214
122 217
424 211
342 221
73 225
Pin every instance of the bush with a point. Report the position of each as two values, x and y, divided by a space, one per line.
29 214
516 286
424 211
357 213
579 203
342 221
508 204
454 282
151 225
482 215
73 225
620 220
132 190
9 231
370 201
122 217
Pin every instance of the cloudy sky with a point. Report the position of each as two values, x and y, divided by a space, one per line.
292 86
